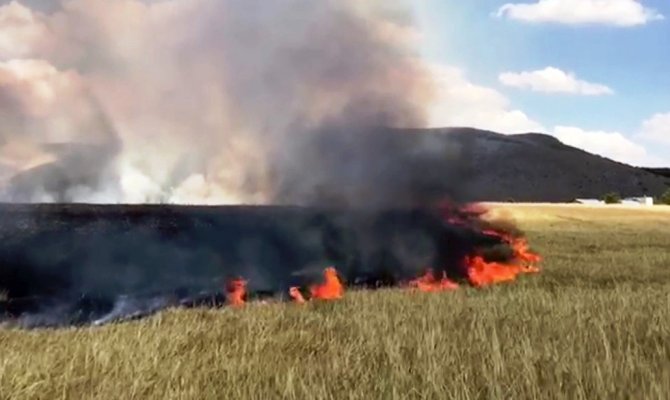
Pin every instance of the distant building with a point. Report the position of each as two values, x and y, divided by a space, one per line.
638 201
629 201
589 201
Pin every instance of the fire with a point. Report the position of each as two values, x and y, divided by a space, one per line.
479 272
483 273
330 289
236 291
522 251
428 283
295 294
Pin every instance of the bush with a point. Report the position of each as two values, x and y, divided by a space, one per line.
665 198
612 198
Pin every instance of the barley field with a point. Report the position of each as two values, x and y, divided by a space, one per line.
595 324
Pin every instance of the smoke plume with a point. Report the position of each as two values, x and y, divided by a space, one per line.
195 101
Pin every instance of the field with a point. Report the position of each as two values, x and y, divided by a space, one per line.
594 324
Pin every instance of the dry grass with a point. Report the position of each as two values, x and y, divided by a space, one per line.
595 324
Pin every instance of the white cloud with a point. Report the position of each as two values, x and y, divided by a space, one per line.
657 129
553 80
460 102
624 13
648 147
613 145
463 103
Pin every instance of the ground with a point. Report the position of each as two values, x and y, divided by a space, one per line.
594 324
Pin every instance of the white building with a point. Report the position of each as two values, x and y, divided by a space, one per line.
638 201
589 201
629 201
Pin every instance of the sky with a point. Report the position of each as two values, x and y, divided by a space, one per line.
591 72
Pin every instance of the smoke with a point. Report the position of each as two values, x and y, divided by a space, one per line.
195 101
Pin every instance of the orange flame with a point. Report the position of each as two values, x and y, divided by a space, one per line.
295 294
236 291
479 271
330 289
483 273
523 253
428 283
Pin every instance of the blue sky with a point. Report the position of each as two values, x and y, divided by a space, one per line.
632 58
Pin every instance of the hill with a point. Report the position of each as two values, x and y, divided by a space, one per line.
659 171
537 167
403 165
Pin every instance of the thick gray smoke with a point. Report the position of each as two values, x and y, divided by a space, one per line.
194 101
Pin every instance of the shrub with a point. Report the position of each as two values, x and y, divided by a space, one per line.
665 198
612 198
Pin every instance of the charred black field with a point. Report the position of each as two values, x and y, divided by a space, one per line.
74 264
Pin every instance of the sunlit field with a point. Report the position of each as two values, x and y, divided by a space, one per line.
594 324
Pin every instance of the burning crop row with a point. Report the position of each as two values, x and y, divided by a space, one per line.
479 273
331 288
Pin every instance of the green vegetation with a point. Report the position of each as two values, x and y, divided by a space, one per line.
665 197
594 325
612 198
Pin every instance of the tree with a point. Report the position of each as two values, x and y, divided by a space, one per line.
665 197
612 198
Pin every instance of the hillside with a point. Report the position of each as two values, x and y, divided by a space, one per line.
659 171
536 167
468 164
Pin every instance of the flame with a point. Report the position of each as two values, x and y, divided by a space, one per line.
295 294
428 283
236 291
330 289
479 271
482 273
522 252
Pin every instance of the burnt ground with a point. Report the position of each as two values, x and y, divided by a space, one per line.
84 258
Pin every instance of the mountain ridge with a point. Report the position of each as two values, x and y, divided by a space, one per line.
571 172
477 165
